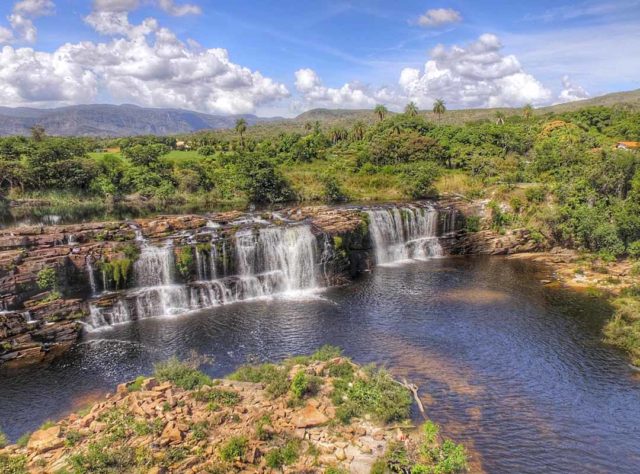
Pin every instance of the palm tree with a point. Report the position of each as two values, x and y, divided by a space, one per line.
241 127
500 117
527 111
411 110
439 108
308 126
381 111
338 134
358 130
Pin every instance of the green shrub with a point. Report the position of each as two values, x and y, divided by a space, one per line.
3 439
235 448
299 385
284 456
326 352
273 376
72 437
535 194
218 396
185 261
200 430
472 223
376 394
100 458
634 249
47 279
261 432
13 464
332 191
136 385
23 440
181 374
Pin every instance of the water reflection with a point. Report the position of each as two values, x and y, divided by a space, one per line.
512 368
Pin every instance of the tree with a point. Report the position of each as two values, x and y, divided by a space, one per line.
411 109
260 179
527 111
38 133
358 130
439 108
500 117
241 127
338 134
381 111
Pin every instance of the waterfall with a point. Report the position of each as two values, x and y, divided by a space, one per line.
269 261
404 233
92 276
154 267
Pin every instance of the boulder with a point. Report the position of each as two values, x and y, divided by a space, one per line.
45 440
308 417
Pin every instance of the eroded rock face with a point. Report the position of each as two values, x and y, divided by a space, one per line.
94 264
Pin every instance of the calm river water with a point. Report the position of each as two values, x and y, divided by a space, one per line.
513 369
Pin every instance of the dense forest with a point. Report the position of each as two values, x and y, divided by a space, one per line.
559 174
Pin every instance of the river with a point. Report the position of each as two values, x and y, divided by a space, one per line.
512 368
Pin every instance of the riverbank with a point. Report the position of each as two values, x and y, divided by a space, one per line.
617 282
316 414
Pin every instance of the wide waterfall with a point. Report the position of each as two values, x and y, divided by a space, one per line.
268 261
404 233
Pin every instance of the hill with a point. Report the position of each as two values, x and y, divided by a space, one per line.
113 120
453 116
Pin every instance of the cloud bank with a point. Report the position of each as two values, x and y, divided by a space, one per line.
438 17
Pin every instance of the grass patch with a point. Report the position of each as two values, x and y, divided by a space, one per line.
376 394
428 457
100 459
4 440
218 396
23 440
273 376
181 374
623 330
284 456
235 448
13 464
136 385
304 385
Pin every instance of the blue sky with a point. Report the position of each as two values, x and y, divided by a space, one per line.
283 57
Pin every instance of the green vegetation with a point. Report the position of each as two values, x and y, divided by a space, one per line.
374 393
288 454
3 439
274 376
233 449
623 330
218 396
182 374
13 464
428 457
47 279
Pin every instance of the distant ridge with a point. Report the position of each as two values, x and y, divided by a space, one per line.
342 116
101 120
113 120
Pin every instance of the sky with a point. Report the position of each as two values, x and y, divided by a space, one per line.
282 57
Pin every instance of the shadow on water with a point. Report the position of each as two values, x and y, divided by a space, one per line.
514 369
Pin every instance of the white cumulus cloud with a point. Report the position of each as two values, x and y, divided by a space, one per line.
21 20
571 92
157 70
475 75
439 16
353 95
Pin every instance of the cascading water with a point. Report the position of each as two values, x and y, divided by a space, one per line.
92 276
404 233
269 261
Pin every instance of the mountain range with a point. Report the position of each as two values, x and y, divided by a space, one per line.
125 120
